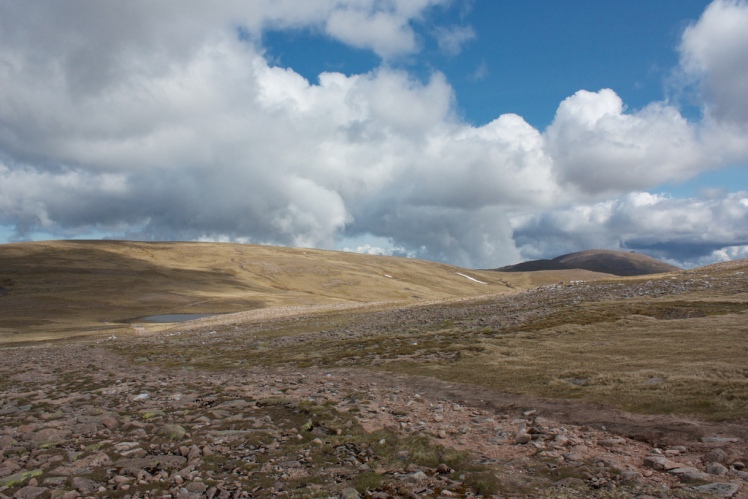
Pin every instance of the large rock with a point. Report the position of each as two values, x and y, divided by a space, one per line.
101 459
740 474
50 436
716 469
691 475
196 487
716 456
417 477
349 493
661 463
172 431
522 437
29 492
719 489
85 485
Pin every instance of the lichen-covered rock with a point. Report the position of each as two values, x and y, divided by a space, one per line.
50 436
19 478
29 492
172 431
349 493
85 485
719 489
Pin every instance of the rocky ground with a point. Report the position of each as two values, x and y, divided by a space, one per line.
86 420
77 421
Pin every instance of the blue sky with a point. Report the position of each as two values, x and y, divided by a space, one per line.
524 57
475 132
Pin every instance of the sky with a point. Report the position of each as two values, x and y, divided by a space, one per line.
479 133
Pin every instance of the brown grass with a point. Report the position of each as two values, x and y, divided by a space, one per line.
640 364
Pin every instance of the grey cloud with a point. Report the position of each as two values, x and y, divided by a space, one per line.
32 199
687 253
678 230
475 237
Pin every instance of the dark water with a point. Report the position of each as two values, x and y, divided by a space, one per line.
164 318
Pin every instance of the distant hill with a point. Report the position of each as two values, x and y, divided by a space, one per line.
620 263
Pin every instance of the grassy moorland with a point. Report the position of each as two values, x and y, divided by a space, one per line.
668 343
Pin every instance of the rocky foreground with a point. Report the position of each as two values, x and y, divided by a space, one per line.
78 421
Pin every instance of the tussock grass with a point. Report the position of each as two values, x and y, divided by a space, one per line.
641 364
612 311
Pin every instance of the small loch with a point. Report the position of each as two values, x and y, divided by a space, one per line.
167 318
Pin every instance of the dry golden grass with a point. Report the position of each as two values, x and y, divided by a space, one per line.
640 364
61 289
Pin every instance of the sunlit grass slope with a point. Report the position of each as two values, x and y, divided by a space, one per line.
61 288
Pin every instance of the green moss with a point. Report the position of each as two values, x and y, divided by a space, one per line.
153 414
19 478
172 432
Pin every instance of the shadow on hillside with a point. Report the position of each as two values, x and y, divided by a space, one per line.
93 284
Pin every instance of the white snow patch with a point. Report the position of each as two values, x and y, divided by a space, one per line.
388 276
471 278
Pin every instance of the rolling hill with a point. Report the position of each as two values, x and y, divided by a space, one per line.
52 289
619 263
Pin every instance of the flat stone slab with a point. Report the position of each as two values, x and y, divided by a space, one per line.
29 492
661 463
234 404
696 476
719 489
686 469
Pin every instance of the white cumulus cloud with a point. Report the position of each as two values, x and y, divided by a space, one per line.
115 120
713 50
599 148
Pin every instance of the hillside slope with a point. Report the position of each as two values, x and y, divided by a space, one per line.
619 263
48 287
